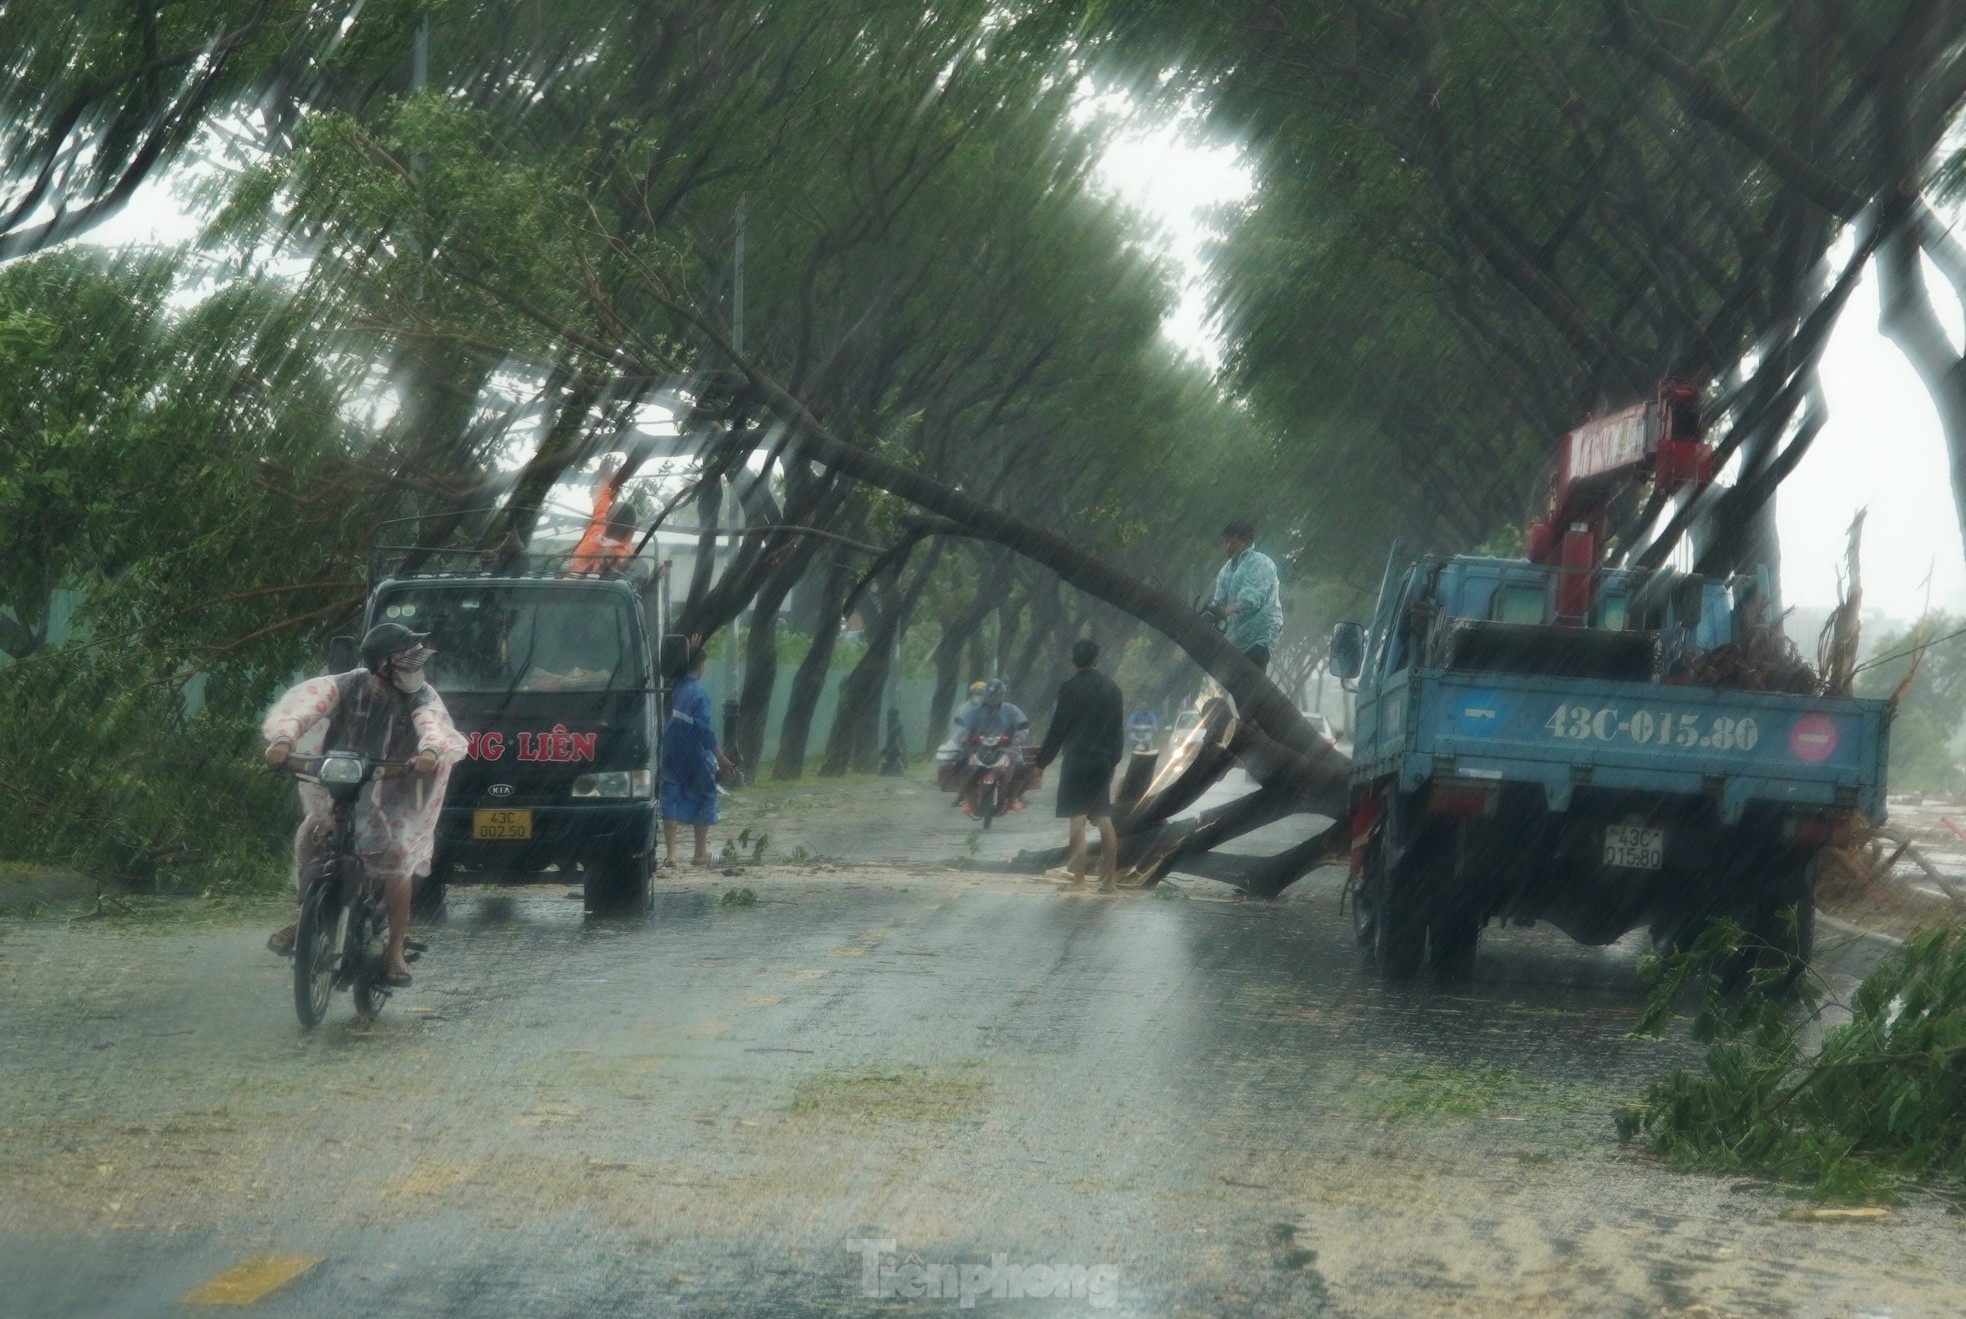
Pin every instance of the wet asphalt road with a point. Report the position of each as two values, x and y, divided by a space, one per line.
1186 1106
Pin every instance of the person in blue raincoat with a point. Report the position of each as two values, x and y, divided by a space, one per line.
691 760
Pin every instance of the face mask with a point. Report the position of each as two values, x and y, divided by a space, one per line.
406 669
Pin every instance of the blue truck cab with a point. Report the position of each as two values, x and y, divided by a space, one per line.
1514 763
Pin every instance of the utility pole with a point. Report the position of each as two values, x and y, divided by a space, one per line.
731 702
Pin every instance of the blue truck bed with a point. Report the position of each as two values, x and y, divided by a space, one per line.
1563 733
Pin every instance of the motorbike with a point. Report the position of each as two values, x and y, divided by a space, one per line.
991 788
344 927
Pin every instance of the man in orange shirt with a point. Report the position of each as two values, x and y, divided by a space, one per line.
609 541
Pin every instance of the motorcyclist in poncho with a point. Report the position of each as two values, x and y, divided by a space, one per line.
385 711
996 717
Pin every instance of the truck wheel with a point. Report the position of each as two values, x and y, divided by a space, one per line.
1785 923
1398 935
1363 911
1451 947
619 885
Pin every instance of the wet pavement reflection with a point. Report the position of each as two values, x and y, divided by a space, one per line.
1174 1104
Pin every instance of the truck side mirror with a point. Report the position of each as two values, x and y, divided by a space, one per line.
343 655
1347 651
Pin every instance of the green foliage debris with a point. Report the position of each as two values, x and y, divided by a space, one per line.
1879 1105
738 897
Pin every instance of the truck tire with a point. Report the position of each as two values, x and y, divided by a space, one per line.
1451 945
1394 932
1783 924
619 884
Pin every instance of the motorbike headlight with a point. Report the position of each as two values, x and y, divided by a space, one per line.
613 783
341 770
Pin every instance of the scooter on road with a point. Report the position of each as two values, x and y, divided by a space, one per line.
343 931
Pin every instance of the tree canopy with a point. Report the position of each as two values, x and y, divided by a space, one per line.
456 249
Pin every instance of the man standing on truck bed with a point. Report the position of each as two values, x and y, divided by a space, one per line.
1085 725
1247 594
609 541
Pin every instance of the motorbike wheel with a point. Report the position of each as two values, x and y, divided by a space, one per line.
315 955
366 949
986 804
369 996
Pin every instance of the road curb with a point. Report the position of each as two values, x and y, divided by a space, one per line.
1859 931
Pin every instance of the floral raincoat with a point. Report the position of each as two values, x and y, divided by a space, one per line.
395 819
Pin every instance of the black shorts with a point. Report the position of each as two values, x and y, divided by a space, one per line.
1085 785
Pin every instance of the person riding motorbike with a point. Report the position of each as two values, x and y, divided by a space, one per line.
385 711
959 719
995 717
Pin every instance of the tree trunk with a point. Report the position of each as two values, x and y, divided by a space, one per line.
709 509
854 745
761 661
809 680
854 738
963 633
1045 615
1907 316
1010 622
1324 773
979 653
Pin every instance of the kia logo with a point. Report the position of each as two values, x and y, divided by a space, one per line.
499 790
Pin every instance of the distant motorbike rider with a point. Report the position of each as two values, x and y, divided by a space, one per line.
959 719
994 717
384 711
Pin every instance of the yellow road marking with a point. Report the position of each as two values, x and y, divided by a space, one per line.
251 1280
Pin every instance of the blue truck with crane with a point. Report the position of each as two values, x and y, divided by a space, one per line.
1545 738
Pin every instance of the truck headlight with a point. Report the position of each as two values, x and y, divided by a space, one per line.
613 783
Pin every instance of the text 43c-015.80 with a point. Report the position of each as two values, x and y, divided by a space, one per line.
1661 728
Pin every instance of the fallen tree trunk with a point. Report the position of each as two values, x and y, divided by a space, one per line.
1299 770
1321 770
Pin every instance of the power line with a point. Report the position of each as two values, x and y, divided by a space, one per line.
1876 660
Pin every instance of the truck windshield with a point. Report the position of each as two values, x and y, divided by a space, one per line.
527 639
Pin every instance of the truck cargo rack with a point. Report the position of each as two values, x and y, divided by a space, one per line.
404 558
